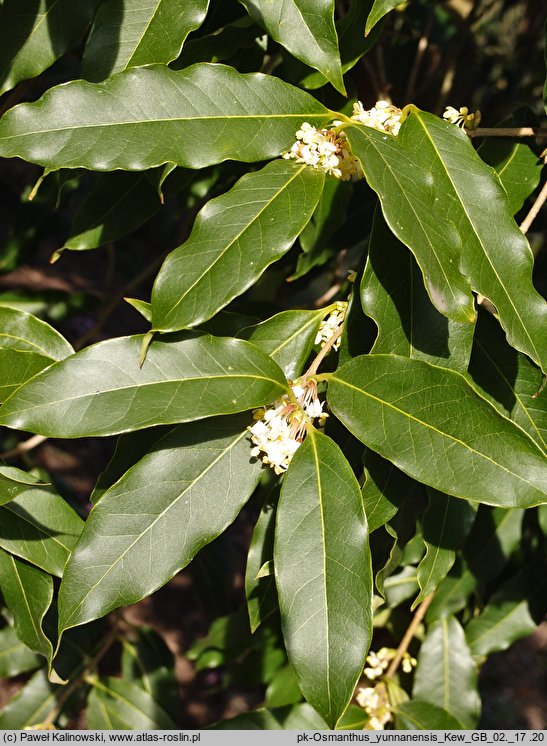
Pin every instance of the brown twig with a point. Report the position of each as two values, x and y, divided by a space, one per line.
409 634
24 447
323 352
534 210
508 132
423 43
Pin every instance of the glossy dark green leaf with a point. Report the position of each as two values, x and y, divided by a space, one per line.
507 616
40 527
283 689
495 535
384 489
35 33
14 482
446 674
432 424
419 715
138 33
406 189
144 117
354 718
291 717
27 346
149 524
221 44
103 391
445 523
235 237
28 593
306 29
288 337
121 705
15 657
260 591
509 380
30 705
393 294
119 203
379 10
323 575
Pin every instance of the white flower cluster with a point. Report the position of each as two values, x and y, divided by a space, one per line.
463 117
325 150
331 324
378 662
375 703
383 116
281 428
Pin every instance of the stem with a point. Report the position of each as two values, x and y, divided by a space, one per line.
534 210
323 352
508 132
409 634
420 51
24 447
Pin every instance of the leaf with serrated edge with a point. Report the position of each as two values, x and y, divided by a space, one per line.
28 593
446 674
35 33
134 34
433 425
235 237
27 346
40 527
152 521
323 575
103 391
306 29
144 117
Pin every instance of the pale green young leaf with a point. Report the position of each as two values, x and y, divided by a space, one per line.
433 425
393 294
27 346
35 33
180 496
138 33
446 674
306 29
122 705
144 117
28 593
235 237
323 575
41 528
103 391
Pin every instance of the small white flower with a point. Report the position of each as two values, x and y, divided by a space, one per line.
375 702
331 324
384 116
462 117
325 150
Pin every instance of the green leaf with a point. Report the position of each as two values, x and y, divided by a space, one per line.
506 617
400 586
14 482
152 521
306 29
379 10
40 527
27 346
28 593
384 489
35 33
134 34
292 717
121 705
30 705
283 689
394 169
393 294
431 424
235 237
103 391
260 592
354 718
288 338
119 203
145 117
445 523
15 657
419 715
508 379
323 575
446 674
